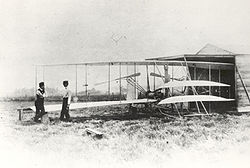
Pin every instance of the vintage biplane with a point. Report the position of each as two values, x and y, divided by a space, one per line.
164 97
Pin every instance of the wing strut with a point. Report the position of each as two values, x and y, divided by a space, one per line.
148 86
133 83
194 90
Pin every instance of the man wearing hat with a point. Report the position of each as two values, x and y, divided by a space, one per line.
66 102
39 102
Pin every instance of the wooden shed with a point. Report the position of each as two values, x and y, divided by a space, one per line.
233 70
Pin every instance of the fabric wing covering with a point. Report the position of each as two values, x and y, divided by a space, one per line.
58 107
193 98
192 83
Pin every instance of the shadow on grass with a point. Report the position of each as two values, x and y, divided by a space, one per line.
108 114
29 123
116 116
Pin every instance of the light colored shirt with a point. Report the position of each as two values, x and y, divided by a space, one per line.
67 94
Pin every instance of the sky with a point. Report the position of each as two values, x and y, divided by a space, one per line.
72 31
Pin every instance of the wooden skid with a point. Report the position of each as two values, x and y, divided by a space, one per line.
94 132
196 115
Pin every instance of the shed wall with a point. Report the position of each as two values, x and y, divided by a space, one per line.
243 64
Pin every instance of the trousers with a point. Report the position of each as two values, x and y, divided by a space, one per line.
65 110
40 111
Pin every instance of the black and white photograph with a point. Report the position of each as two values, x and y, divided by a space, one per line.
124 83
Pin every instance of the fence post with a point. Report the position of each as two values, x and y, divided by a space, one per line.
20 111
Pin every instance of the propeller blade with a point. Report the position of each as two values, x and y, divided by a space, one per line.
180 79
129 76
124 77
167 79
156 75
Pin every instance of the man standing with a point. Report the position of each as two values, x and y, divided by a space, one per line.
66 102
39 101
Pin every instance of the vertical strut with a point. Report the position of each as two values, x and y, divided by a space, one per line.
76 80
120 84
219 82
195 76
109 80
43 74
194 90
35 87
135 90
209 88
86 81
159 72
166 79
154 77
172 78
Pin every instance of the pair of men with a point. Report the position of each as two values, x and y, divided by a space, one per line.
39 102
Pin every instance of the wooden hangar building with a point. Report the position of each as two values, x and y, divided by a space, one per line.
233 70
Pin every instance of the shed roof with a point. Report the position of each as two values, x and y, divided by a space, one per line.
208 50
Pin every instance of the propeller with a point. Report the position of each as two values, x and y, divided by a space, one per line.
151 94
168 77
124 77
160 76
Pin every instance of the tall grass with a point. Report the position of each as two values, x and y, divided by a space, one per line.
214 141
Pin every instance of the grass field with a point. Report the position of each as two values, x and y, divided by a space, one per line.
217 141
